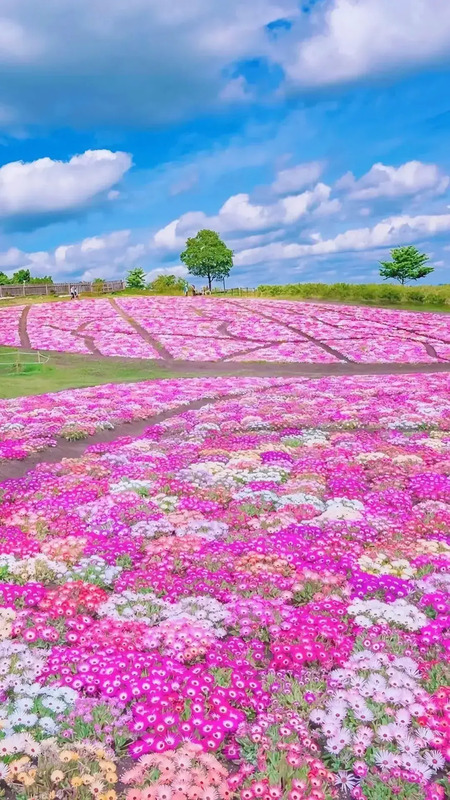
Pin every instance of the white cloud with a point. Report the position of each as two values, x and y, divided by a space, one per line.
11 258
46 186
236 91
107 256
362 37
17 45
179 271
90 60
240 215
386 181
391 231
296 178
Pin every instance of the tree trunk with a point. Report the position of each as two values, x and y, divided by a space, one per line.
209 280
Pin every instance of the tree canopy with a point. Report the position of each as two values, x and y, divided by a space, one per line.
136 278
207 256
167 283
407 265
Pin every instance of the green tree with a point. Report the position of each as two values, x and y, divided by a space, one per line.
21 276
167 283
44 279
98 285
136 278
407 265
4 279
207 256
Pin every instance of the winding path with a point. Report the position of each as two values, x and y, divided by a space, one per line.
66 449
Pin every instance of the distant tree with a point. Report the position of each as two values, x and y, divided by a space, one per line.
4 279
167 283
407 265
98 285
22 276
44 279
136 278
207 256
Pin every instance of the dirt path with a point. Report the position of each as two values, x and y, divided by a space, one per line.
65 449
163 352
23 331
330 350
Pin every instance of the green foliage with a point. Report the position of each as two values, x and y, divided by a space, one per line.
98 285
407 265
381 294
136 278
21 276
207 256
44 279
164 284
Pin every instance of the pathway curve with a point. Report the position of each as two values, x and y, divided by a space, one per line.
65 449
76 449
23 331
163 352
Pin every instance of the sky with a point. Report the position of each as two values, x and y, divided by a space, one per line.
313 135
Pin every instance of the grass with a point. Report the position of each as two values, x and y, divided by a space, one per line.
33 299
372 295
381 295
66 371
435 309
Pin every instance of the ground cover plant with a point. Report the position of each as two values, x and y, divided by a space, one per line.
250 600
31 424
231 330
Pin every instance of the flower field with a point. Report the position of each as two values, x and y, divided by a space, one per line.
211 329
31 424
251 600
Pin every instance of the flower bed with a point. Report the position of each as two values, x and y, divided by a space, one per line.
31 424
209 329
250 600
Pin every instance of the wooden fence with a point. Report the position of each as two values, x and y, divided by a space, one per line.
57 289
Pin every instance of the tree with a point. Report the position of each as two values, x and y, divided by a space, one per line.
21 276
44 279
207 256
4 279
407 265
167 283
98 285
136 278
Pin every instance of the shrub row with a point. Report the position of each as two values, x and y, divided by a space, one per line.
366 293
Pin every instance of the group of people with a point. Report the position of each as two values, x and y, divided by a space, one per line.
73 293
191 290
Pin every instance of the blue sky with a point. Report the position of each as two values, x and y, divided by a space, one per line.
313 136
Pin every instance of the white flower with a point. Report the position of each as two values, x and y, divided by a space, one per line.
434 759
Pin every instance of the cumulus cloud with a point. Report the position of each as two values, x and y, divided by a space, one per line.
385 181
107 256
178 270
362 37
294 179
239 214
46 187
391 231
140 62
